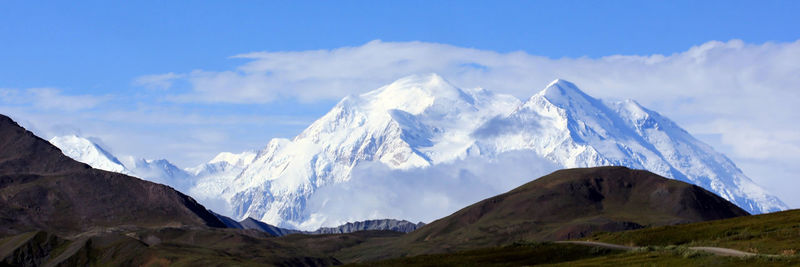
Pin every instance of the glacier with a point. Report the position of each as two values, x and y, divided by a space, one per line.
86 151
222 168
423 121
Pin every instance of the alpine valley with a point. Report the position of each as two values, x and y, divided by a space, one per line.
422 122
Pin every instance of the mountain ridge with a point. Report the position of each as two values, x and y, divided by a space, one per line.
42 189
560 123
566 204
422 120
394 225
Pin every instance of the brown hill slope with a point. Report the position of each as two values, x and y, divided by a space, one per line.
565 204
157 247
41 189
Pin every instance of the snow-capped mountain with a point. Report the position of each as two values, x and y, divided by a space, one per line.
215 175
159 171
422 121
86 151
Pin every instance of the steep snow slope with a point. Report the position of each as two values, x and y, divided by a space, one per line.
423 121
420 121
411 123
86 151
215 175
576 130
159 171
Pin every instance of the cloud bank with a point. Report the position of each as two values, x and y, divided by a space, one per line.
740 98
422 194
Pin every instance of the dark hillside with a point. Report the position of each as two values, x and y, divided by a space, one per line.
41 189
565 204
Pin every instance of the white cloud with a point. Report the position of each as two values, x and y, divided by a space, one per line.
740 97
157 81
50 99
425 194
755 143
184 137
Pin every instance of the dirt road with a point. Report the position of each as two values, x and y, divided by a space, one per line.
714 250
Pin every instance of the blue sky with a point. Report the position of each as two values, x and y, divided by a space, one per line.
184 80
96 46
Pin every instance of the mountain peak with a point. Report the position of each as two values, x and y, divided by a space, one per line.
414 94
561 82
562 89
564 94
57 194
86 151
422 121
430 79
239 159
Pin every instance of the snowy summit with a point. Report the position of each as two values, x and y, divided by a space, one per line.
422 121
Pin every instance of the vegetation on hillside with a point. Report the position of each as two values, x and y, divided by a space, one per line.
774 233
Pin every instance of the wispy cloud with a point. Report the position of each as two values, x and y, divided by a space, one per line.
157 81
50 99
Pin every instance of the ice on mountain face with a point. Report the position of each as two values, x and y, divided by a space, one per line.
237 160
159 171
162 171
422 124
86 151
213 177
422 121
414 122
204 182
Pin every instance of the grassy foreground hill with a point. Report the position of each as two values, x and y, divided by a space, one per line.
551 254
157 247
571 203
56 211
775 235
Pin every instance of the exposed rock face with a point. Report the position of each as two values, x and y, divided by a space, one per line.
254 224
372 225
401 226
30 249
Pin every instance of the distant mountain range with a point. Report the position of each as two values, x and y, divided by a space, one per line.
223 165
159 170
423 121
401 226
57 211
42 189
566 204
